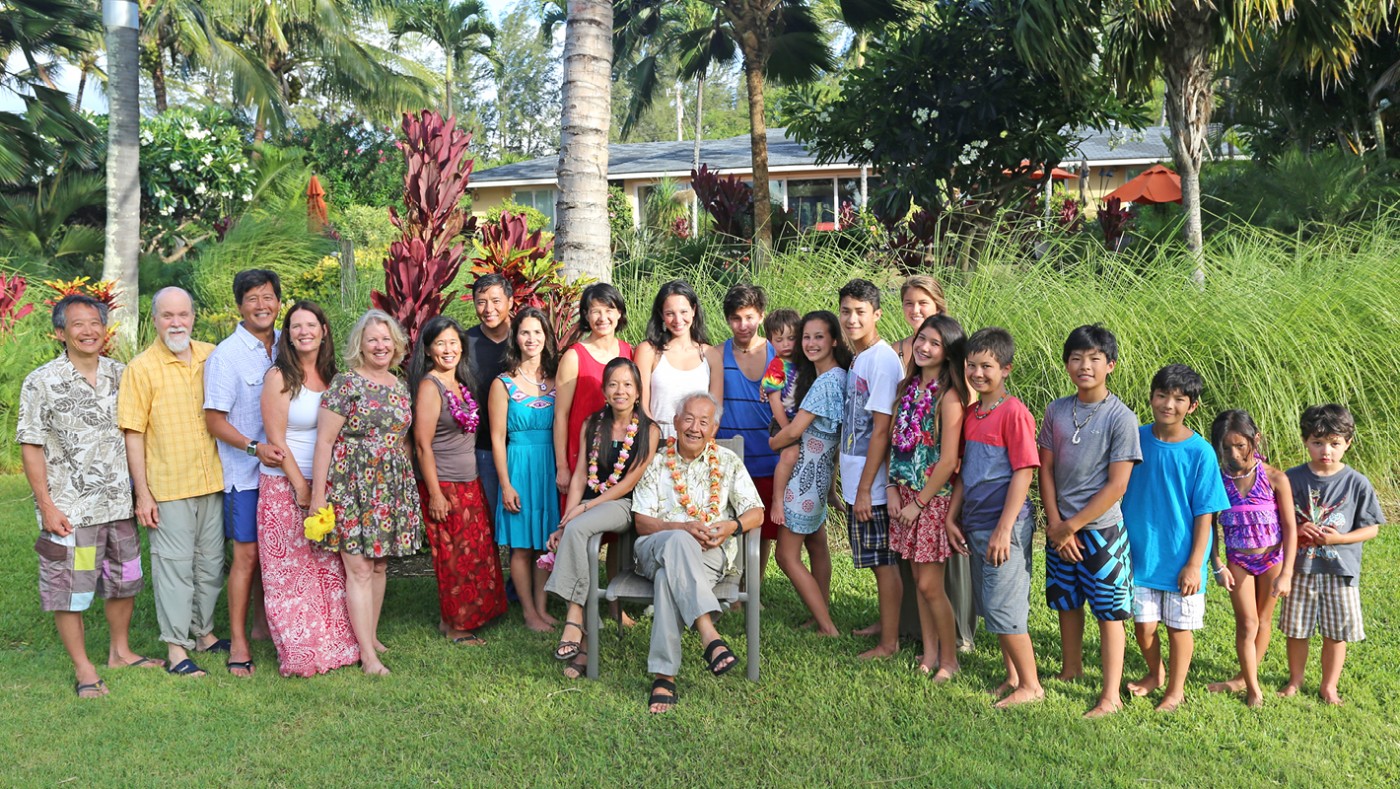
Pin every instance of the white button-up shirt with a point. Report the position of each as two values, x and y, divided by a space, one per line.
233 382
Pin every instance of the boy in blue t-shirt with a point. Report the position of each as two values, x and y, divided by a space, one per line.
989 516
1169 507
1338 511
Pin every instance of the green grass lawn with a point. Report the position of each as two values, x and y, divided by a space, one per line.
503 715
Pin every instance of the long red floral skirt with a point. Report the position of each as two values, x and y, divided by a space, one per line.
303 588
471 588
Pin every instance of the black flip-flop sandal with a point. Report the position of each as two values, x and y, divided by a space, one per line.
243 665
658 698
221 645
568 650
185 667
99 687
715 653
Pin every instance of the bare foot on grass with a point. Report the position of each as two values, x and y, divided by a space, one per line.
1331 697
943 674
379 646
1002 689
1104 708
1170 703
1290 690
1020 696
1254 699
870 631
1144 686
879 652
1068 675
539 625
1234 684
375 669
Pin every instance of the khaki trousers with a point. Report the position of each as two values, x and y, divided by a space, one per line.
187 566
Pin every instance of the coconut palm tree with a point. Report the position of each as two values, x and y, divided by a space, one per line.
1184 41
461 28
276 52
123 243
583 244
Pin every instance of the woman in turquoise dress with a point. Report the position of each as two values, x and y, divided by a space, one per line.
522 441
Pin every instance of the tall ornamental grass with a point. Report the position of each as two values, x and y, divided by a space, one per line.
1278 323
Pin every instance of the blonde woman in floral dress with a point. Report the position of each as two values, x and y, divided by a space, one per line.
362 466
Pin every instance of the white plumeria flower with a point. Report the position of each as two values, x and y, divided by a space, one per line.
247 197
207 159
200 189
176 167
237 168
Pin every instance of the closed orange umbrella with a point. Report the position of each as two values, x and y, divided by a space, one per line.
316 216
1157 184
1055 172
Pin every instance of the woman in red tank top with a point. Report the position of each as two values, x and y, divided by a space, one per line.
602 313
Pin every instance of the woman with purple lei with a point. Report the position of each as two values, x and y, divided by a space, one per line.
471 591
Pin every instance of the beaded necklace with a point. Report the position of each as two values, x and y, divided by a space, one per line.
978 413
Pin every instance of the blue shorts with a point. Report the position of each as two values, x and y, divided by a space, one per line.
1003 593
241 515
1104 577
870 540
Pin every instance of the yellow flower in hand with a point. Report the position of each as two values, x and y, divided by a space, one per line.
319 525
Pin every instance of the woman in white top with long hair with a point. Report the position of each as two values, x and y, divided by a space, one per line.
303 584
672 360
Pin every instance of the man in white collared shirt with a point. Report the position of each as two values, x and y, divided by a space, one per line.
233 381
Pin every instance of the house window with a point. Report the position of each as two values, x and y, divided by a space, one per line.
541 200
812 202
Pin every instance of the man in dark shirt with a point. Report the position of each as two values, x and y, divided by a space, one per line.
486 351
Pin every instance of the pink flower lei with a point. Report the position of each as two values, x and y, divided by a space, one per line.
463 409
908 424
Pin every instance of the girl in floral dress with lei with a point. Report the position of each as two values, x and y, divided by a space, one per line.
363 468
522 444
446 418
820 394
927 427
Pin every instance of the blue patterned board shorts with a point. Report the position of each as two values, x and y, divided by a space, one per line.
1103 578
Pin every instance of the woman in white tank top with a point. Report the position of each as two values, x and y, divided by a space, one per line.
303 584
672 359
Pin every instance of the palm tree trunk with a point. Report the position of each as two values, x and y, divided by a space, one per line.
119 263
699 133
758 143
1188 71
158 84
583 244
447 87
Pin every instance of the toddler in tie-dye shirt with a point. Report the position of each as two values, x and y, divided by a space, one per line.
779 381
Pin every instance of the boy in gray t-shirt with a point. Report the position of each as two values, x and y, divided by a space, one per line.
1338 511
1088 445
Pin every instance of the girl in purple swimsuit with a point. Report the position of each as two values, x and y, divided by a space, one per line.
1260 534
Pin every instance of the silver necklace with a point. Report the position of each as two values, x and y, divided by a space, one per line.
1074 416
540 384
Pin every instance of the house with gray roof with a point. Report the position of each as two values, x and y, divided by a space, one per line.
812 192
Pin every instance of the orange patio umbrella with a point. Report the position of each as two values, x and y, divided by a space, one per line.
316 216
1156 185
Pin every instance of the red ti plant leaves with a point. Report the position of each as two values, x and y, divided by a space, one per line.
727 200
424 261
12 310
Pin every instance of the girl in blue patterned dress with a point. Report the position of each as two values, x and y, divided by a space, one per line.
522 441
820 394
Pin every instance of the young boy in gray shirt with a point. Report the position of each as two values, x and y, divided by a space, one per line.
1088 446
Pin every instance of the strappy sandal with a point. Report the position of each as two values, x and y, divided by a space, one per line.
93 690
568 650
659 698
578 668
715 653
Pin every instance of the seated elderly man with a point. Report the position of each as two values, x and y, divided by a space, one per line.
691 503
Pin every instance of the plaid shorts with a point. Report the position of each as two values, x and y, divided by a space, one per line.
1324 604
104 561
870 540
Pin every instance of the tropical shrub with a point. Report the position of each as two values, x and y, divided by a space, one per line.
507 247
619 212
728 201
196 177
425 260
358 163
535 219
364 226
104 291
12 306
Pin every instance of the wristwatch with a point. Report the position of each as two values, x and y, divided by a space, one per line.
251 449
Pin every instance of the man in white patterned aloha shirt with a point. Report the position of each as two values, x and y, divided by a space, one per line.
75 460
692 504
